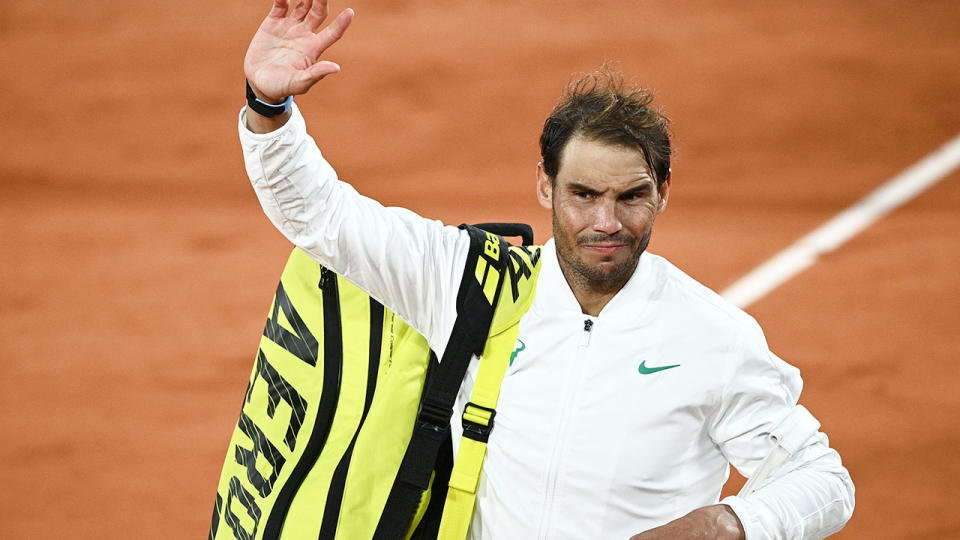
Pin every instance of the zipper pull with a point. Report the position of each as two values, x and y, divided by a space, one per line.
587 327
325 276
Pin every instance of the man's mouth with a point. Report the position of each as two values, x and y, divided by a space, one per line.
604 248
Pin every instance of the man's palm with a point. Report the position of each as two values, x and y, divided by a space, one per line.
282 57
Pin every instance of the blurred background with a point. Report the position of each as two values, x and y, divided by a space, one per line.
136 267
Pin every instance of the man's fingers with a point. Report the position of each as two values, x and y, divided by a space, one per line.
334 30
317 14
322 69
302 9
310 76
279 9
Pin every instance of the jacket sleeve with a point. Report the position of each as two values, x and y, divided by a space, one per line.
410 264
811 494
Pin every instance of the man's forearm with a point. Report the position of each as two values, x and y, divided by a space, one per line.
717 522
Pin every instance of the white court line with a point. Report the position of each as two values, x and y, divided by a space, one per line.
844 226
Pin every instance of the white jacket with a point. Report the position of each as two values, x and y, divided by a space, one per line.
591 440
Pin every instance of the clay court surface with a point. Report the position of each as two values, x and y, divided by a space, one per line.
137 267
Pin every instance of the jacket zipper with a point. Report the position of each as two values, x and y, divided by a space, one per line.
574 375
330 394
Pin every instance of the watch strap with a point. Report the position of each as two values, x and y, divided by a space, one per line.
267 109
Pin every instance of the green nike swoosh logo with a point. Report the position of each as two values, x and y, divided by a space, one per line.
644 370
517 351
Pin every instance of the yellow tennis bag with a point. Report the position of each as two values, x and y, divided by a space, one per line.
344 431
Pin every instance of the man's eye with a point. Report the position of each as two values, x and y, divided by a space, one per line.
634 196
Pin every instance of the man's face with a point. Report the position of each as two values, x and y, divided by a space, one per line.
604 202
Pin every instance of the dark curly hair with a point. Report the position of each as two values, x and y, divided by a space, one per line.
600 107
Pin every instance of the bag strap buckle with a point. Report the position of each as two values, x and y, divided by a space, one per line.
478 421
434 417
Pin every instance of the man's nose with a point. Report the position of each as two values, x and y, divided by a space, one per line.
606 219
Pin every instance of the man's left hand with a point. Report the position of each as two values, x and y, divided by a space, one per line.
714 522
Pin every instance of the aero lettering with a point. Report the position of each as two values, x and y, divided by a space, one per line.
301 342
262 459
251 458
278 389
238 494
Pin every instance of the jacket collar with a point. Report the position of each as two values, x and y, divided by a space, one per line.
555 298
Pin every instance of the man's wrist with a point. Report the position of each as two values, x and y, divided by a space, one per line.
725 522
265 107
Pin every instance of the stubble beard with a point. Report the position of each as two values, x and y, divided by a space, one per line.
592 277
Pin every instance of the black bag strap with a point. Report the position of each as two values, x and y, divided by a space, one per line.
486 260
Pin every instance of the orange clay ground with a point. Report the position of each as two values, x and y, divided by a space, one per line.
137 268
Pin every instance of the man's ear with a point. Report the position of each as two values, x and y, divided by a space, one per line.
664 191
544 188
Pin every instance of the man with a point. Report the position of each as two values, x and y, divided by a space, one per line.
635 387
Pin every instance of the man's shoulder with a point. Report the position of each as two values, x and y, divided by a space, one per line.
713 330
699 305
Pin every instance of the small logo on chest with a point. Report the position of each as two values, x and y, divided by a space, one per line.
647 370
520 347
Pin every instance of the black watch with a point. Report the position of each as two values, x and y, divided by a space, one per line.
267 109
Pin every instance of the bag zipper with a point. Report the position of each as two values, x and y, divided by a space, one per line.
331 512
330 394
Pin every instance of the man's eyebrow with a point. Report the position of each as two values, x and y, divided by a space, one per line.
638 189
576 186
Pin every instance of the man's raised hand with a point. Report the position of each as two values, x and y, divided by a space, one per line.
283 57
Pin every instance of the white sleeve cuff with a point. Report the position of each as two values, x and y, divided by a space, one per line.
247 137
752 527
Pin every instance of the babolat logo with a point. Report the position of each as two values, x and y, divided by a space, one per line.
259 459
523 259
491 256
520 263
